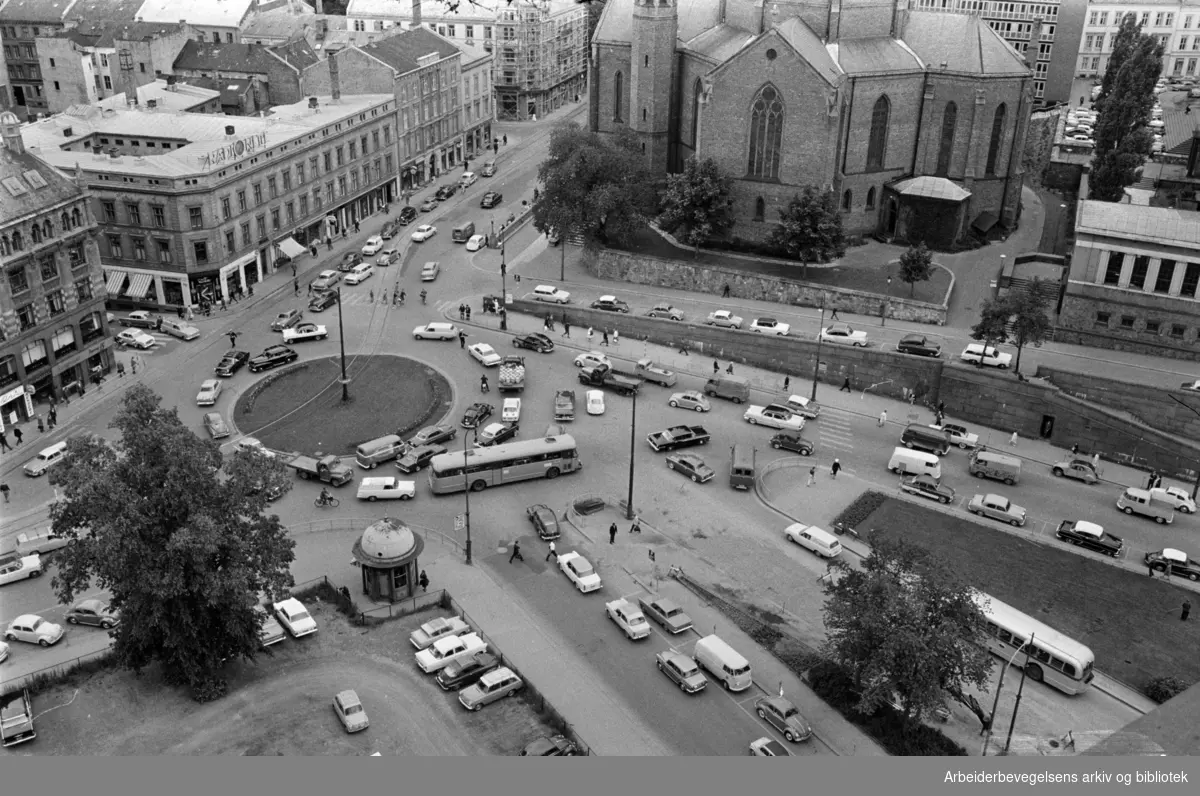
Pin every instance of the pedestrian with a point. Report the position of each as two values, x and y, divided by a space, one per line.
506 137
462 312
882 418
845 385
310 288
812 475
729 369
17 435
293 269
941 410
612 533
516 552
551 553
1012 442
462 339
133 362
636 527
590 334
53 416
370 296
546 324
787 384
329 242
356 226
1096 463
296 285
937 421
833 470
233 336
716 367
4 446
725 291
1075 449
683 348
566 330
224 306
4 489
1183 615
158 324
468 309
1151 568
403 293
42 425
424 581
616 338
834 316
604 337
344 231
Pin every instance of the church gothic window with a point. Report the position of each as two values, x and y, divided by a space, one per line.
766 134
997 139
879 126
760 209
946 150
618 81
871 198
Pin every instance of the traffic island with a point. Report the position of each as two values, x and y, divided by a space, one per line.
301 408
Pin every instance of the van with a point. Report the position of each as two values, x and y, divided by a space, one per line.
177 328
370 454
46 459
1141 501
815 539
924 438
734 388
463 232
989 464
489 168
741 469
723 662
906 462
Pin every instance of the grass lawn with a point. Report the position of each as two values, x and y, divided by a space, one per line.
1130 621
302 409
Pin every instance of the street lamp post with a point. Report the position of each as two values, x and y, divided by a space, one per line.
1020 690
817 363
503 290
467 493
342 345
629 514
996 703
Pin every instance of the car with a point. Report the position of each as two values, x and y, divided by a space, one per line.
1079 469
592 359
15 567
210 391
813 539
1157 124
215 425
595 402
610 304
305 331
475 415
430 204
491 199
417 458
430 271
326 279
682 669
32 629
445 651
792 441
446 191
925 485
390 230
1174 561
496 684
476 242
231 362
554 746
495 433
387 257
140 319
349 260
783 716
322 300
253 445
629 618
843 333
467 179
285 320
664 310
406 216
959 435
270 632
551 294
372 246
534 342
135 338
667 614
805 407
986 355
1174 496
510 412
768 747
433 434
360 273
484 354
272 357
997 507
724 318
579 571
689 399
544 521
770 326
93 612
773 416
295 617
436 331
1194 93
350 711
692 466
181 330
424 233
1091 536
438 628
461 674
920 345
553 236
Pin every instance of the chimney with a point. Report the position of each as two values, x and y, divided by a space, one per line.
761 5
229 132
314 105
335 87
721 12
171 83
1031 54
416 14
774 15
151 104
10 128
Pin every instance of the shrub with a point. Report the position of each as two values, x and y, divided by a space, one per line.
862 508
1161 689
210 689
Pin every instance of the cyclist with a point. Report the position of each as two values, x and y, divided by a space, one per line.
325 498
423 294
483 384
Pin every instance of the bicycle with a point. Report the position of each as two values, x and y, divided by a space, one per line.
332 503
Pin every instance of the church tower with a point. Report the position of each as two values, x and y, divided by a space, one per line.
652 67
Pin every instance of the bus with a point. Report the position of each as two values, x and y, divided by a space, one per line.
1054 659
544 457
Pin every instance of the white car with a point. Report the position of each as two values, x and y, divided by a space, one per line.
350 711
135 338
14 568
326 280
511 412
629 618
429 271
467 179
424 233
1174 496
551 294
305 331
774 416
448 650
360 273
770 326
32 629
434 629
988 355
436 331
813 539
475 243
255 445
485 354
577 568
690 399
843 333
805 407
210 391
595 402
295 617
724 318
372 246
592 359
959 435
386 487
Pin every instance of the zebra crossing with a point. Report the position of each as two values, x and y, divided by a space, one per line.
834 433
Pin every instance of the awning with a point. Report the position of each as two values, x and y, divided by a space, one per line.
138 285
289 247
985 221
115 280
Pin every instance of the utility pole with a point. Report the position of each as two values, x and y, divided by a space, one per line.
562 257
817 364
503 291
342 345
467 494
1020 690
629 513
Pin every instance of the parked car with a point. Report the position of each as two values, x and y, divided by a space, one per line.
433 434
496 433
987 355
434 629
93 612
445 651
783 716
666 613
768 747
813 539
553 746
845 334
770 326
491 199
484 354
350 711
629 618
140 319
285 320
592 359
610 304
436 331
665 310
725 319
534 342
926 486
231 362
682 670
326 279
551 294
446 191
690 399
295 617
270 632
920 345
322 301
792 441
272 357
429 205
1079 469
253 445
430 271
496 684
595 402
210 391
692 466
997 507
349 260
1175 561
463 673
544 521
32 629
476 413
135 338
215 425
407 215
360 273
1090 536
476 242
579 571
424 233
1174 496
15 567
372 246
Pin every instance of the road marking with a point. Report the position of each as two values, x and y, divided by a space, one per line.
834 432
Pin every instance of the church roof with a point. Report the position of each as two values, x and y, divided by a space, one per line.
932 188
719 43
616 21
875 55
963 42
810 47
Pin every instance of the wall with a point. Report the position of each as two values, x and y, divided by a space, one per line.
1077 322
1154 405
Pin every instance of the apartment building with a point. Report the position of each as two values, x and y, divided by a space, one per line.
1175 24
264 75
22 22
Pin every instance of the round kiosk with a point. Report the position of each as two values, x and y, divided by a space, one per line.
387 555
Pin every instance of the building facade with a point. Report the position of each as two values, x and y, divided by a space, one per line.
22 23
54 335
273 73
1175 24
194 207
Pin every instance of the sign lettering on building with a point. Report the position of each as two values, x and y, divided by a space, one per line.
234 150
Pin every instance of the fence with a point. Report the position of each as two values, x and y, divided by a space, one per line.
56 669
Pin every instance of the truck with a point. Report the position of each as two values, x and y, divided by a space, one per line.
512 373
1143 501
40 542
326 468
649 370
604 376
16 718
564 405
678 437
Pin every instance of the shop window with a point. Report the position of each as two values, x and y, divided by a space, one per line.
33 356
63 340
8 370
90 328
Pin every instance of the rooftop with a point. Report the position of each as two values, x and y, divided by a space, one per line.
35 10
182 97
28 185
204 13
104 34
199 56
401 10
279 23
101 11
402 50
1162 225
963 42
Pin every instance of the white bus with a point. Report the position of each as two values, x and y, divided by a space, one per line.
544 457
1054 659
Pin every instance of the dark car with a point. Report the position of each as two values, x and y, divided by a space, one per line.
272 357
429 205
349 260
433 434
140 319
231 362
95 613
1176 560
416 458
534 342
544 521
444 192
496 433
322 301
1091 536
476 414
491 199
464 673
610 303
920 345
556 746
390 230
791 441
927 486
406 216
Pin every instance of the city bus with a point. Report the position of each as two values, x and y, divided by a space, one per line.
1055 659
544 457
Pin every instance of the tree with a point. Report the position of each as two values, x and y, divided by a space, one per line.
906 627
810 228
1030 323
993 324
916 265
698 199
1127 33
177 536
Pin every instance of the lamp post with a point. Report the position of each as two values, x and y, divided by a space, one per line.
467 492
629 514
1020 690
817 364
342 345
562 257
503 290
996 703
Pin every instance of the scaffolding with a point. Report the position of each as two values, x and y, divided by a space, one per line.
541 57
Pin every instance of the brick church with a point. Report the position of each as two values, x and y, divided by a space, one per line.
903 114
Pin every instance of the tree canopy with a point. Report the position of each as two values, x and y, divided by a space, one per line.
810 228
992 327
177 535
1027 312
699 200
916 265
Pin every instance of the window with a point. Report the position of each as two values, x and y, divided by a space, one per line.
108 82
83 289
328 162
388 163
17 280
26 320
618 89
697 93
374 141
353 151
1154 327
114 246
164 251
387 134
275 218
341 155
353 181
1141 266
766 133
877 144
18 244
847 200
1191 277
76 217
1112 274
760 209
241 200
949 120
287 180
290 208
110 211
226 209
1178 330
160 216
246 239
341 181
36 233
260 221
316 195
1102 319
303 205
49 268
258 198
75 255
230 241
871 198
56 303
196 217
34 355
1127 321
1166 273
139 248
272 186
997 139
200 248
299 174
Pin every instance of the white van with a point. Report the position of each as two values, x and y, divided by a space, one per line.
551 293
815 539
1142 501
46 459
723 662
908 462
386 488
